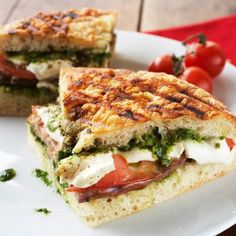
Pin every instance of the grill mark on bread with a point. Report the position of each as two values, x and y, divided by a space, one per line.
128 114
122 95
76 113
58 22
144 95
72 15
27 25
155 108
173 99
198 112
195 110
207 100
54 22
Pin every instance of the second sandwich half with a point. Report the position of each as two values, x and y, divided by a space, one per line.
32 51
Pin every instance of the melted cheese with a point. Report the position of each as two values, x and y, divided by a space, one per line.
176 150
135 155
207 152
44 114
49 69
92 169
204 152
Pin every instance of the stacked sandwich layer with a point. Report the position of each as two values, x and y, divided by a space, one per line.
117 131
34 49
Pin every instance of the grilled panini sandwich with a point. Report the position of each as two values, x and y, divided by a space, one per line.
33 50
121 141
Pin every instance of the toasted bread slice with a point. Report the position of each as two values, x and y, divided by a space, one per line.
98 211
112 106
59 31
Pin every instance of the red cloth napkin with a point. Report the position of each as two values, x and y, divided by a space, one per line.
222 31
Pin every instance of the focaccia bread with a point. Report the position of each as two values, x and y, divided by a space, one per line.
65 30
120 141
34 49
119 103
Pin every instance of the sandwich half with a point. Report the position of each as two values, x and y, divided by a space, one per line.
121 141
33 50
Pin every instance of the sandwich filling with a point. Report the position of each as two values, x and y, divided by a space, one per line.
97 171
41 69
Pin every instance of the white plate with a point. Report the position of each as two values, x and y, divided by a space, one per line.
205 211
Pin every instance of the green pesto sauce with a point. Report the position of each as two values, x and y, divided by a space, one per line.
59 191
7 175
99 149
29 57
80 58
54 119
36 138
161 145
43 175
31 92
64 185
42 210
66 152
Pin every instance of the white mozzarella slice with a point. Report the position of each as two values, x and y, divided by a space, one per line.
92 169
135 155
48 69
176 150
214 151
44 114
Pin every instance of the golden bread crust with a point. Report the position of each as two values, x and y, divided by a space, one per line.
73 29
107 99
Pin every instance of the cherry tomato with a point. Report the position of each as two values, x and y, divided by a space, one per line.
162 64
230 143
209 56
11 70
198 77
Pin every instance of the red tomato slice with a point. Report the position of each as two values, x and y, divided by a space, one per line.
123 174
118 176
230 143
11 70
